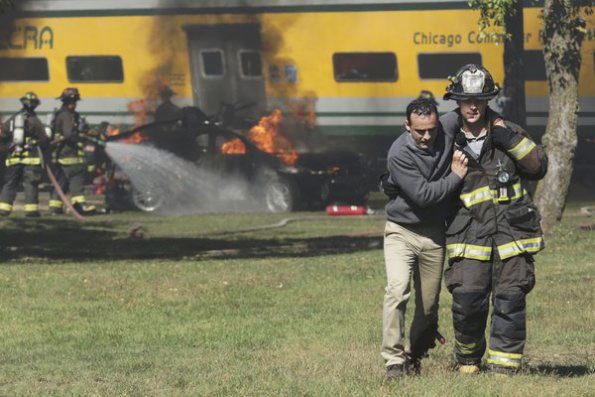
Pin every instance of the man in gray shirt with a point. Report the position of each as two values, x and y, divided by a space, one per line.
425 172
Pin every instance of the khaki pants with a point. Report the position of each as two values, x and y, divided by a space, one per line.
417 251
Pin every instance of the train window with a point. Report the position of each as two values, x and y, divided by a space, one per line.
534 66
212 63
95 69
442 65
24 69
250 63
365 66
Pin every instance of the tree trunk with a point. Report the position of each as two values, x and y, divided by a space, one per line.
562 42
513 98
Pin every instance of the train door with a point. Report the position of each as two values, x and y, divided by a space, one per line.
227 69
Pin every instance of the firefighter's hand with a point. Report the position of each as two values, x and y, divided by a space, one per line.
459 164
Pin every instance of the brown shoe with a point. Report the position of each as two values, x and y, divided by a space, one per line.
468 369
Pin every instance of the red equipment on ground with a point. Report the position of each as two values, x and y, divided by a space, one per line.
334 210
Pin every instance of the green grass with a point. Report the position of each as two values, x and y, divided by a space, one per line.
193 309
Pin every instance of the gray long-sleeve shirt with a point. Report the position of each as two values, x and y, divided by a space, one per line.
423 177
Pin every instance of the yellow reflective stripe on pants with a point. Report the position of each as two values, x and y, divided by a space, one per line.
522 149
466 348
31 161
22 160
78 199
5 206
70 161
31 207
469 251
529 245
504 359
55 204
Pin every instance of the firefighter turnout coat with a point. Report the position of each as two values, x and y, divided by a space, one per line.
68 157
69 148
494 209
23 163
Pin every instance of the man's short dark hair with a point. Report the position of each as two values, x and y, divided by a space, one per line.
421 107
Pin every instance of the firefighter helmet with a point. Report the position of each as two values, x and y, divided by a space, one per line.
472 81
70 94
166 92
30 100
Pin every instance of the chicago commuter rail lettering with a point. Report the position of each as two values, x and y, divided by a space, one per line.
25 37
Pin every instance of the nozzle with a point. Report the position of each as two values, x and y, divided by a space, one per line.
96 141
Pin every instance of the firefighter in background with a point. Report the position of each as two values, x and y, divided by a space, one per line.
68 157
23 133
167 110
494 230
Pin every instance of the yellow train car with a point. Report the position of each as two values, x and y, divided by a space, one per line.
353 64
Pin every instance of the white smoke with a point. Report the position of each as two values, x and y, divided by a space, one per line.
176 186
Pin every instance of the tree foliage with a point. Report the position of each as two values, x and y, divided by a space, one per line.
492 13
5 4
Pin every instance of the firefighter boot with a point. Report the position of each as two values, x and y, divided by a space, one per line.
56 207
56 210
396 371
5 208
84 209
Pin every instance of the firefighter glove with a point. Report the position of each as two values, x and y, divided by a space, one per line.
503 138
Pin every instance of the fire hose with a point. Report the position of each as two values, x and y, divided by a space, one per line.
57 186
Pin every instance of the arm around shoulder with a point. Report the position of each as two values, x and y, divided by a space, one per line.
529 157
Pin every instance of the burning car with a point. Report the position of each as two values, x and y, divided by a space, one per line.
278 177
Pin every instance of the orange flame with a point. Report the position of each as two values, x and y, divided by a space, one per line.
112 131
267 138
143 110
136 137
235 146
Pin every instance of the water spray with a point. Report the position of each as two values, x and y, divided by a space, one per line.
167 184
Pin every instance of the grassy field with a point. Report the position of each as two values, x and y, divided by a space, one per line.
198 305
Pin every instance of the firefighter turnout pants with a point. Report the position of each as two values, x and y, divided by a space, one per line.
71 179
471 282
30 176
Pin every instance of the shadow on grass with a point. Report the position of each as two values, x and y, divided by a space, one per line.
563 371
65 239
